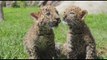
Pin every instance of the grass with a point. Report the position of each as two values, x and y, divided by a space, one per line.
18 21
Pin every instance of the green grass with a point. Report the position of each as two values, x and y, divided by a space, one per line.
18 21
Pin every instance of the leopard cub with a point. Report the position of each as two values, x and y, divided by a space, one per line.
80 43
39 40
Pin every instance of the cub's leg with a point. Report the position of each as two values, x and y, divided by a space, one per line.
31 48
90 47
90 51
51 52
72 54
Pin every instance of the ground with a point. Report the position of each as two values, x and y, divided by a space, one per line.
18 21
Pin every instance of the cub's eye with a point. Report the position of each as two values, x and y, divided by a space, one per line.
57 12
48 13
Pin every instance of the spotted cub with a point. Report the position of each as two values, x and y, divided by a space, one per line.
80 43
39 40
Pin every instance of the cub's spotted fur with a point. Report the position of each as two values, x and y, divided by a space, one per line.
39 40
80 42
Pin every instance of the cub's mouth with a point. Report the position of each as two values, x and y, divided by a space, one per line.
53 24
66 21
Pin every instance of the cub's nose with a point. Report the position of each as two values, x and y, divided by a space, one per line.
58 20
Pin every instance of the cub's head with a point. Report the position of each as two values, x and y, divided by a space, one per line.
74 16
48 15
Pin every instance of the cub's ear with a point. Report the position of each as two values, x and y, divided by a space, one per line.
83 14
34 16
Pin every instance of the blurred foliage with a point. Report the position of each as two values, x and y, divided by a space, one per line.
21 4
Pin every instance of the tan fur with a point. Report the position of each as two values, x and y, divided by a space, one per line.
80 43
39 40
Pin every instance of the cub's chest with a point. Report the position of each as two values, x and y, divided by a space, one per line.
42 42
